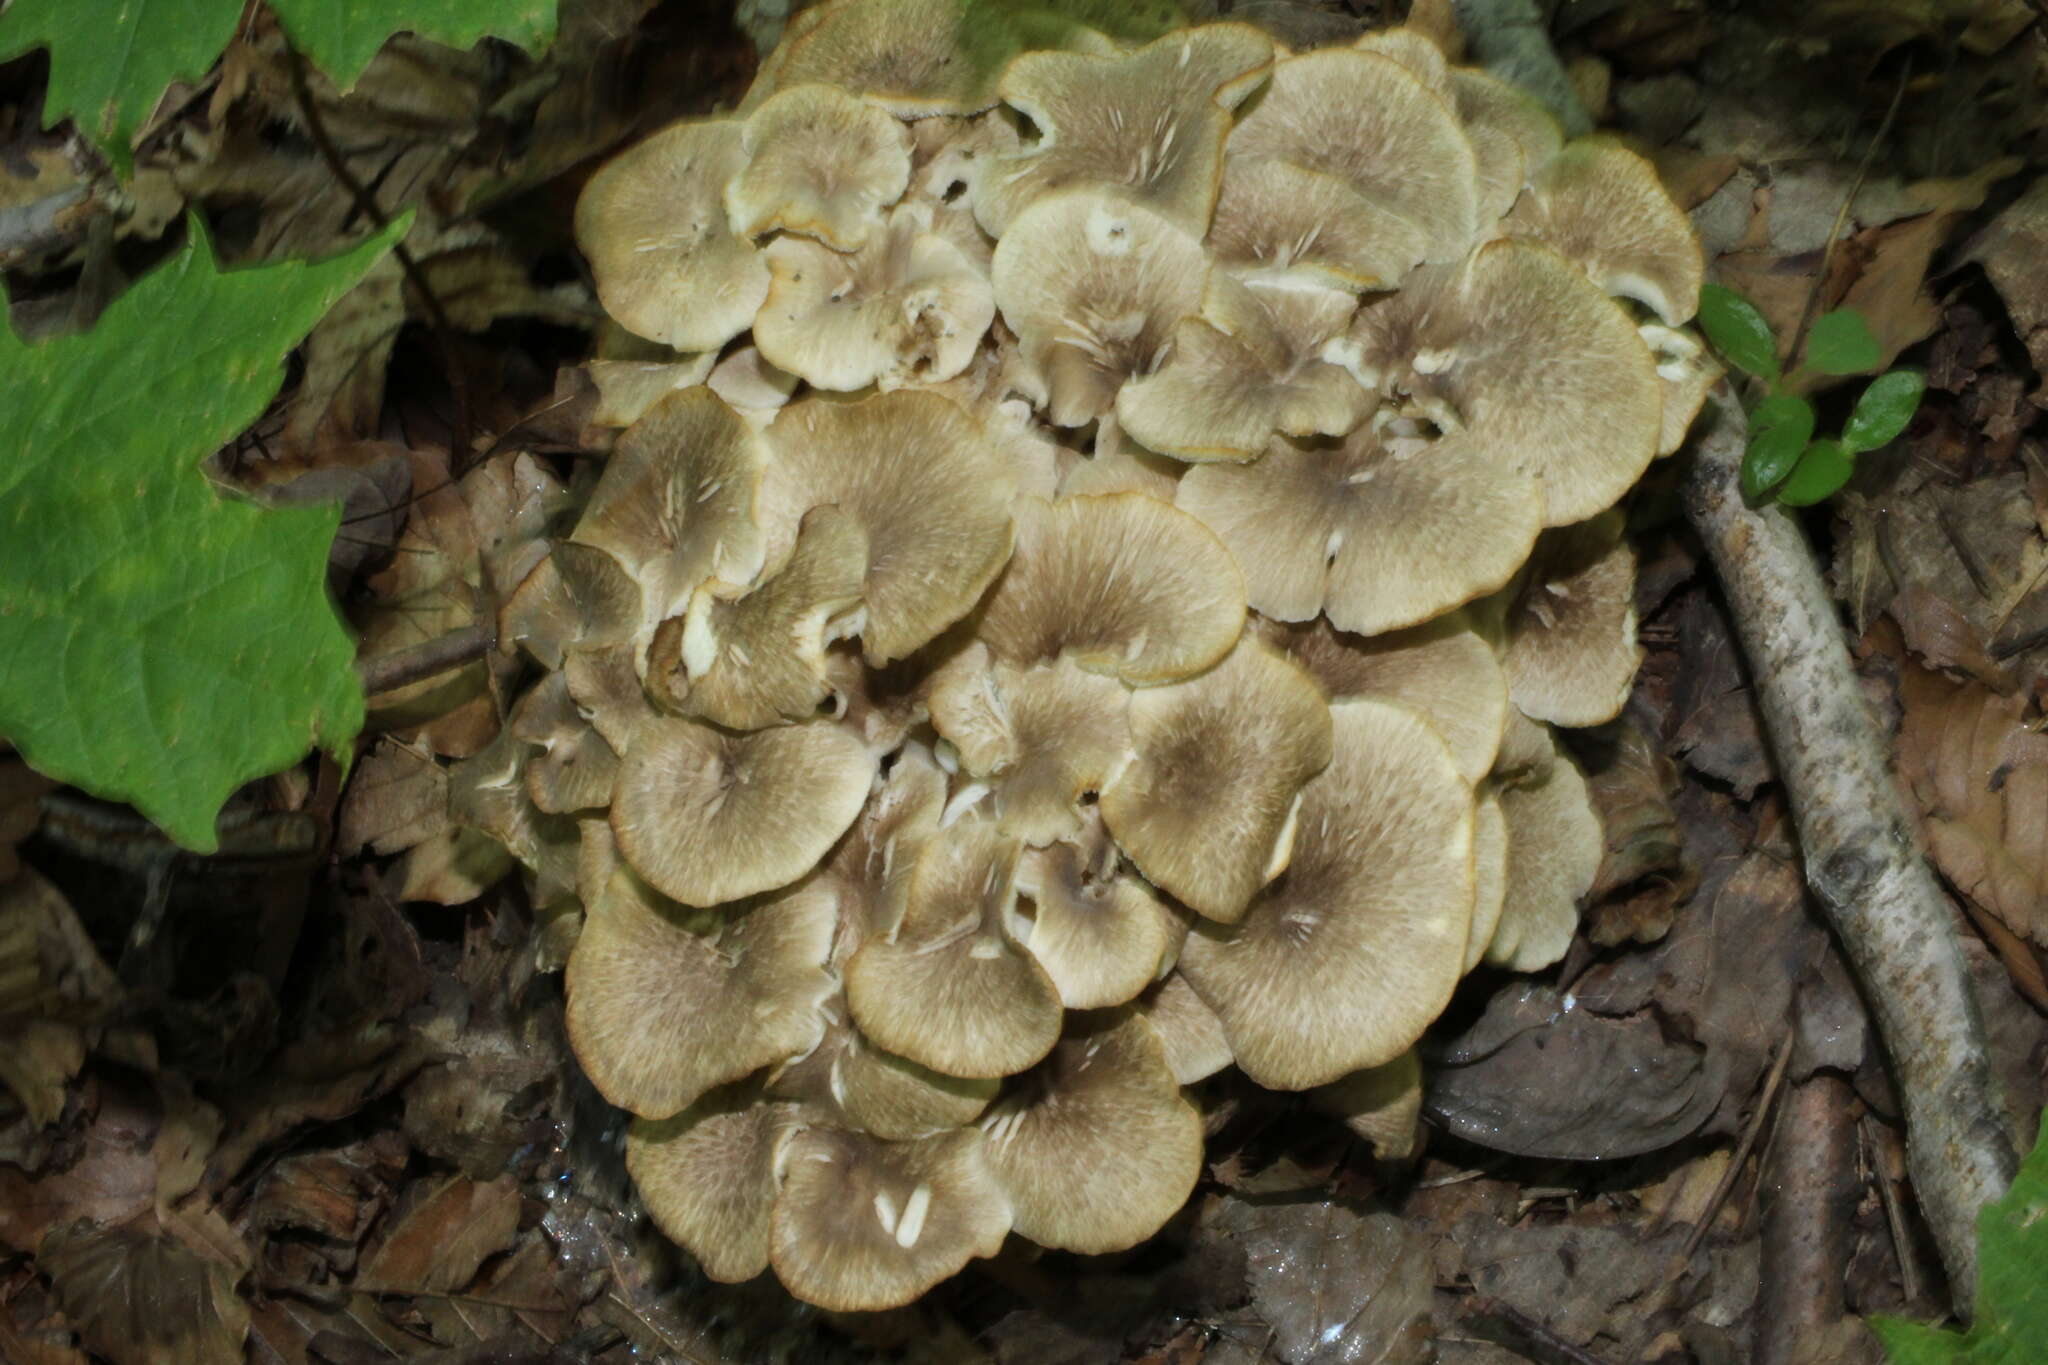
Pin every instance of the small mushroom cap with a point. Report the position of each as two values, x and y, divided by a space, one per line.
652 224
878 1092
1120 465
1603 207
578 596
1196 1045
1571 653
755 389
707 816
1148 124
1093 288
666 1003
1347 956
1275 220
1367 120
862 1225
605 685
951 989
675 504
922 480
1380 532
1443 668
487 792
708 1176
820 162
1101 934
574 768
1121 584
627 388
871 866
1490 868
1381 1104
1512 136
1097 1148
1554 845
1687 372
1205 808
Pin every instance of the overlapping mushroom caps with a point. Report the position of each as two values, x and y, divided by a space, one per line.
1100 622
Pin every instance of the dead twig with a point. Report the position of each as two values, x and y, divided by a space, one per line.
403 667
1807 1203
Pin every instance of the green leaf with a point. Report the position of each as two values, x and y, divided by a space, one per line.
1738 331
342 35
1779 429
1821 471
1841 343
160 642
2010 1326
1883 409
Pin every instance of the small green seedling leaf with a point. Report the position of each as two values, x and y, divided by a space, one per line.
1883 410
1841 343
161 643
1738 331
1820 473
1779 428
342 35
2010 1326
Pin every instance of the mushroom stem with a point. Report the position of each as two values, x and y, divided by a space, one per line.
1857 844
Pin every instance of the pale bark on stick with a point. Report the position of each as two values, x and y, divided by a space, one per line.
1855 837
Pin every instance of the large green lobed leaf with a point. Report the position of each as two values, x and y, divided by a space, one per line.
162 643
342 35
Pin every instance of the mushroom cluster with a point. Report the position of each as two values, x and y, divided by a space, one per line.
1097 545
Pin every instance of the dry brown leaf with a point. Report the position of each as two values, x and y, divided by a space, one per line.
437 1246
139 1298
2011 250
397 798
1644 872
1335 1283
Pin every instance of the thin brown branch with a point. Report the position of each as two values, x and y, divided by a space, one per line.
1808 1198
403 667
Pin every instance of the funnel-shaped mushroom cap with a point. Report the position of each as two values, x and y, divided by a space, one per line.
1121 584
1120 465
574 768
1249 367
1554 845
1196 1045
1381 1104
1380 532
1346 957
1097 1147
1603 207
1147 124
1511 134
1571 631
1490 870
1367 120
1516 350
1285 223
708 1176
1687 371
707 816
1101 934
820 162
914 58
675 505
1205 808
909 307
665 1002
878 1092
1036 739
951 990
861 1225
605 685
578 597
871 866
652 224
1094 289
1443 668
755 660
920 477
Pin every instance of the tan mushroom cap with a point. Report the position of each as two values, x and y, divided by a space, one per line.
1250 367
487 793
1345 958
922 480
1366 119
1381 1104
820 162
768 75
708 816
909 307
675 504
605 685
1035 740
878 1092
574 767
1603 207
578 597
951 989
627 388
1415 51
1205 809
1148 124
755 389
1121 584
1571 653
870 868
1379 531
758 659
1118 464
861 1224
652 224
1444 668
666 1003
1101 933
1687 372
1554 845
915 58
1280 222
1196 1045
708 1176
1516 350
1097 1147
1093 288
949 156
1490 866
1512 136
